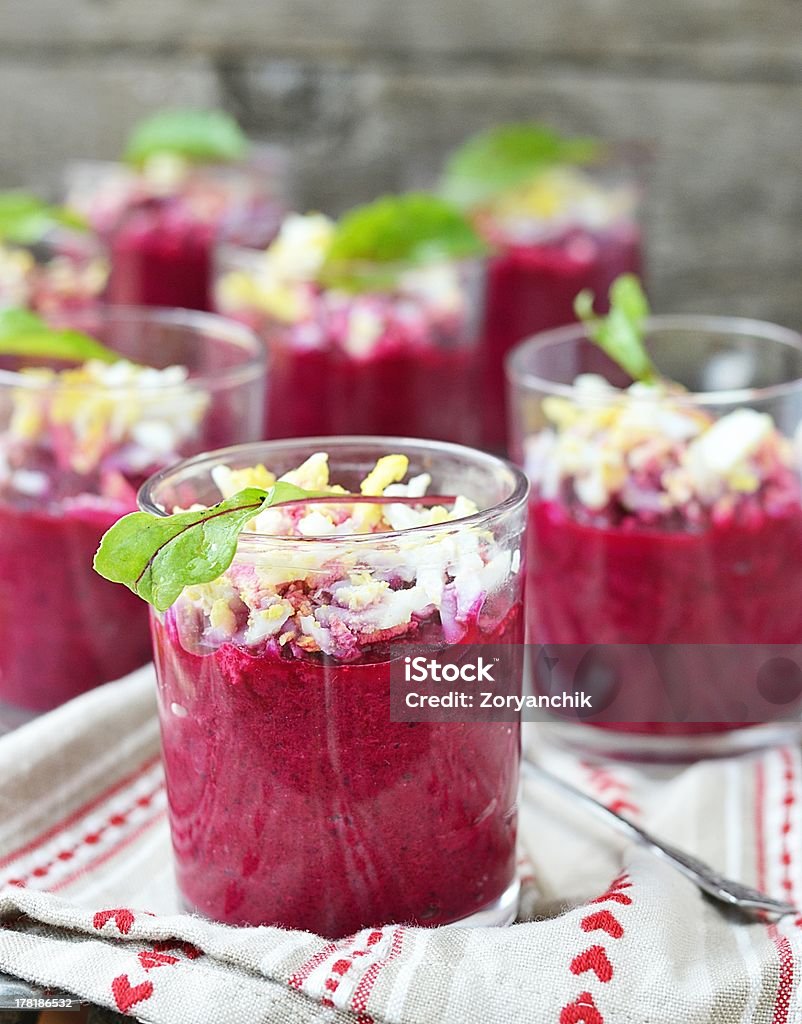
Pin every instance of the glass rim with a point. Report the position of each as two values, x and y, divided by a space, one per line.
385 445
518 375
200 323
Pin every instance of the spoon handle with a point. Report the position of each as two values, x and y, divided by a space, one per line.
722 889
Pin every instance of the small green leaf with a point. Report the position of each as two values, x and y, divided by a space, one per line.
25 219
199 136
406 230
157 556
621 334
23 333
508 156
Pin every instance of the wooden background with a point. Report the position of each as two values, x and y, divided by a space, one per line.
369 95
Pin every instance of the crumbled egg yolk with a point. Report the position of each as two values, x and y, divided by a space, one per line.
16 267
94 408
605 436
312 475
334 600
294 258
390 469
565 194
230 481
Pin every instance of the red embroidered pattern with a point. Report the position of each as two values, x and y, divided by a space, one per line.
612 790
785 985
350 951
123 918
593 959
116 820
341 967
583 1009
127 995
80 812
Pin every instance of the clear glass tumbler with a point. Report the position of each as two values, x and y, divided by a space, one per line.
669 518
294 799
75 445
160 229
569 228
399 358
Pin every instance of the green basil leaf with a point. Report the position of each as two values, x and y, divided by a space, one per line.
198 136
508 156
372 242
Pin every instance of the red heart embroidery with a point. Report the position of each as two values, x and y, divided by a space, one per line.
149 959
616 897
582 1011
603 921
190 952
122 918
594 959
621 806
127 995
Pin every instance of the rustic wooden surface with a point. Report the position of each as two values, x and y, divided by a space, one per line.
369 95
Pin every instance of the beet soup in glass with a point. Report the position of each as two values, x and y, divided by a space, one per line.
76 442
161 210
294 799
669 515
388 347
560 214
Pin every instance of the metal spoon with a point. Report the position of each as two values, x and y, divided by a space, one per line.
722 889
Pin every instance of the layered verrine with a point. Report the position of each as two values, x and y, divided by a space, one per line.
295 800
667 514
77 440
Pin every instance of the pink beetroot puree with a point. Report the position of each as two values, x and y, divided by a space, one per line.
402 388
730 582
295 801
160 234
59 622
390 352
76 443
161 257
531 288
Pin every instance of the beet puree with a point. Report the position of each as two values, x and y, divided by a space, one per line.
161 257
403 389
531 288
730 582
295 801
60 623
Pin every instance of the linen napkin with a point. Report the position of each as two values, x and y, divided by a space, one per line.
607 933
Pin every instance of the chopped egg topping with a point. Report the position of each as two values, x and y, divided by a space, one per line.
16 272
58 284
282 285
135 416
560 198
644 452
338 601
